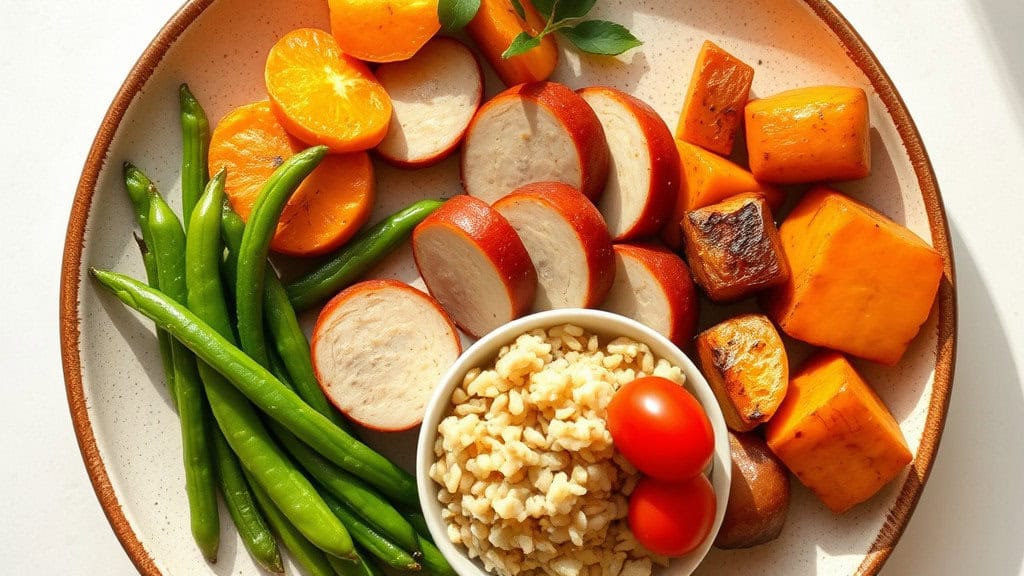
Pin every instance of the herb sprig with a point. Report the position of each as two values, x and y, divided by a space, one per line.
562 16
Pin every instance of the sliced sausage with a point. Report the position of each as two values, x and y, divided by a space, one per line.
434 95
568 243
643 177
379 347
537 132
474 263
653 286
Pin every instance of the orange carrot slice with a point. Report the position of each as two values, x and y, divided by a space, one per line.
383 30
494 27
327 209
323 96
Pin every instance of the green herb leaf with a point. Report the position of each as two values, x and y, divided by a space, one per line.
455 14
565 9
545 7
520 44
518 6
600 37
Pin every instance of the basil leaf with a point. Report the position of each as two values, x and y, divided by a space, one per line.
545 7
521 43
455 14
600 37
572 8
518 6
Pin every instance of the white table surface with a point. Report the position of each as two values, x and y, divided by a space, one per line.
959 65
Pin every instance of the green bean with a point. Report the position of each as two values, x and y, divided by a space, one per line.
361 567
287 335
205 296
374 543
138 184
263 389
244 430
305 554
419 523
195 136
358 256
252 254
359 497
200 483
433 560
238 498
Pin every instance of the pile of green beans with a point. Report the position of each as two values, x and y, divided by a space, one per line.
255 424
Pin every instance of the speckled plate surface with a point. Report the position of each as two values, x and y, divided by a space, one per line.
126 428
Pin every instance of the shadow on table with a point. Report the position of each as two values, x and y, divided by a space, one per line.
1003 21
969 517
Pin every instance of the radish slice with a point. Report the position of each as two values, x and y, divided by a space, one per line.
379 347
434 95
643 179
537 132
474 263
653 286
568 243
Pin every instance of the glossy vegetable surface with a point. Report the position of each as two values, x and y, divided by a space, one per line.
252 254
324 96
672 519
168 246
661 429
283 484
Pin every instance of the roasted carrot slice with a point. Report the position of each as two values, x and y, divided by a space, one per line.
494 27
383 30
714 104
323 96
326 210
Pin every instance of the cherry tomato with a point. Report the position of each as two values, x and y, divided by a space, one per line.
661 429
672 519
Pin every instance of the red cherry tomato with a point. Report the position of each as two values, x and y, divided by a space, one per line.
672 519
661 429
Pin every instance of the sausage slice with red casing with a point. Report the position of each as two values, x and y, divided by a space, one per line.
434 95
568 243
653 286
474 263
643 178
535 132
379 347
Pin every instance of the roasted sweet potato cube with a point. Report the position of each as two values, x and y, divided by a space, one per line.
713 110
809 134
733 247
860 283
746 365
706 178
835 434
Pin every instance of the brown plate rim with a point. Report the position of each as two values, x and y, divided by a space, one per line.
898 516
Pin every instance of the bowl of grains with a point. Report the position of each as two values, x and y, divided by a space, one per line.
517 472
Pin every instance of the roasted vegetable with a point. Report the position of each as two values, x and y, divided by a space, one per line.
758 495
746 365
808 135
860 283
706 178
714 104
733 248
835 434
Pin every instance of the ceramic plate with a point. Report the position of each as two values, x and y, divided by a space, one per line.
126 428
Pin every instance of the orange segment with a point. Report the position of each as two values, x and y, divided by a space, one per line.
383 30
326 210
323 96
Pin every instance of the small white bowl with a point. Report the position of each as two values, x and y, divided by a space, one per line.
604 324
